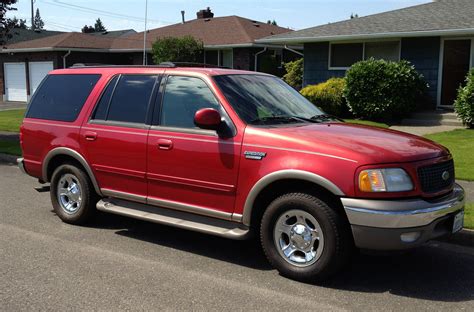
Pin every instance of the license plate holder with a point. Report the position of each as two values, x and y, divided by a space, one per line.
458 222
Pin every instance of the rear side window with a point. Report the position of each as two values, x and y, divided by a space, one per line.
131 97
61 97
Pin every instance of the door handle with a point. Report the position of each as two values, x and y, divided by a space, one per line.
90 135
165 144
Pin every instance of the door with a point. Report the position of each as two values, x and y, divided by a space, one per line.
115 138
15 82
456 58
38 70
190 169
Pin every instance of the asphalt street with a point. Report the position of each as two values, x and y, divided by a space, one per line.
116 263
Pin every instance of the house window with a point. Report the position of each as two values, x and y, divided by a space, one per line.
343 55
387 50
219 57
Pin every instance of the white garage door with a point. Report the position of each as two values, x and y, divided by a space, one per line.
38 70
15 82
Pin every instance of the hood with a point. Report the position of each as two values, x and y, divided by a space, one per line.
364 144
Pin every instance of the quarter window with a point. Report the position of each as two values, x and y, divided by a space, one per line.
183 97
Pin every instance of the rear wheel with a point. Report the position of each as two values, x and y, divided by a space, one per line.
72 194
304 238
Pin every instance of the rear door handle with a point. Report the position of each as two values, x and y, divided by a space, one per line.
90 135
165 144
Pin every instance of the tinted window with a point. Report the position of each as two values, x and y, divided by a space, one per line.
61 97
346 54
103 105
130 100
184 96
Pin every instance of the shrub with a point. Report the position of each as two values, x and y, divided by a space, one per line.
378 89
329 96
294 74
464 104
173 49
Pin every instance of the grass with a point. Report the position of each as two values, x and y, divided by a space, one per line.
461 144
10 147
11 120
367 123
469 216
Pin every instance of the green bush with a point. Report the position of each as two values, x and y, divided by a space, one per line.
294 73
177 49
329 96
464 104
378 89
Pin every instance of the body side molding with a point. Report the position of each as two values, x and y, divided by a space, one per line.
282 175
74 154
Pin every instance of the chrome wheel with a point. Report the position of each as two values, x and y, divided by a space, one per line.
69 193
298 238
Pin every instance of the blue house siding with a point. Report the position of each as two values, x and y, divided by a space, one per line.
423 53
316 57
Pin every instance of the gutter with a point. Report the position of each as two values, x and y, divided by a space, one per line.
256 57
294 51
64 58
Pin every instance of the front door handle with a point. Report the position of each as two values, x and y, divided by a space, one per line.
90 135
165 144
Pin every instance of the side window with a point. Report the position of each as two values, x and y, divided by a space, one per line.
130 99
100 112
183 97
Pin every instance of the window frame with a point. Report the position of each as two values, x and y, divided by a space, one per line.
364 42
149 110
156 120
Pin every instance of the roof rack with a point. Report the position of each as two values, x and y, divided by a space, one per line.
161 65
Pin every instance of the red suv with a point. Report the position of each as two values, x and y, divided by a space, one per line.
231 153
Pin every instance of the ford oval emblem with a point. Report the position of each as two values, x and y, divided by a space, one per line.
445 175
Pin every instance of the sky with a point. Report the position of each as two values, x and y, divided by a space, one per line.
72 15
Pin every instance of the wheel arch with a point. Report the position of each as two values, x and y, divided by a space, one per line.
283 178
61 154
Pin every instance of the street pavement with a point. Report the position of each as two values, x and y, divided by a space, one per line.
116 263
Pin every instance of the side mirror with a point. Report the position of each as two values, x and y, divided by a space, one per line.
207 118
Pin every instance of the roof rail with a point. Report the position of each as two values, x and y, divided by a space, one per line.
189 64
161 65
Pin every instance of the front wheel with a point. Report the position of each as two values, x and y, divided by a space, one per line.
304 238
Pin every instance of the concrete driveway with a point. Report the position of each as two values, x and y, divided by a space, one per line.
117 263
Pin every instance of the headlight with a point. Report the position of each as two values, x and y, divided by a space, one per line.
385 180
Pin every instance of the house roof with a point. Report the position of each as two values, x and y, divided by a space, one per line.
114 33
453 17
19 34
217 31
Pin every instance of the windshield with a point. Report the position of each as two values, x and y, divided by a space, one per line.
260 99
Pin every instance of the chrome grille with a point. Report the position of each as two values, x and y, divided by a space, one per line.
431 176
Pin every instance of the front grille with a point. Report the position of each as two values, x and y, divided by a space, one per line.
431 177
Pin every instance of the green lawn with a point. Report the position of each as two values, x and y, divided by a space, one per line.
9 147
469 216
461 144
11 120
367 123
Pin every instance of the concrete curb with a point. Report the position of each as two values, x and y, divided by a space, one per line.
8 159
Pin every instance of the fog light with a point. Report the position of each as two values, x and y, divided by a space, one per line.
410 237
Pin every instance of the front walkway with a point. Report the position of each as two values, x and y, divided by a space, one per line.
12 105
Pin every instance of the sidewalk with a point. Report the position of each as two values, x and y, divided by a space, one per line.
423 130
12 105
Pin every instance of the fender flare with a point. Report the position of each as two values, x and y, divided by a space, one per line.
283 175
74 154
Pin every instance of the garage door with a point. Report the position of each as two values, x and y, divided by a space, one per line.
38 70
15 82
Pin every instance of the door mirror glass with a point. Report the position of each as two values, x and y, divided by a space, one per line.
207 118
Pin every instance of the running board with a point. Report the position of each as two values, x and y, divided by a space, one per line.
175 218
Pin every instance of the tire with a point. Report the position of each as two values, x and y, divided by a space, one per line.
304 238
72 194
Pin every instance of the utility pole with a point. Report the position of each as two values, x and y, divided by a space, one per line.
32 15
144 33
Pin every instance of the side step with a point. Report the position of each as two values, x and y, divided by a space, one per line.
175 218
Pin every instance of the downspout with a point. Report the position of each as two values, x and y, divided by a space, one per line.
256 57
294 51
64 58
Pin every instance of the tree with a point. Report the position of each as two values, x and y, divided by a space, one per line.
294 73
6 23
354 15
274 23
18 23
174 49
99 27
38 22
88 29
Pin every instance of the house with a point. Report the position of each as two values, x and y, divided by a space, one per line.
436 37
228 41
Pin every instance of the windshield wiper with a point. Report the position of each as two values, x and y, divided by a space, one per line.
279 119
325 117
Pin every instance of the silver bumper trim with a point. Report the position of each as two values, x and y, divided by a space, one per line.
21 164
401 213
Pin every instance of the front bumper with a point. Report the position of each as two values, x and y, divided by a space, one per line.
401 224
